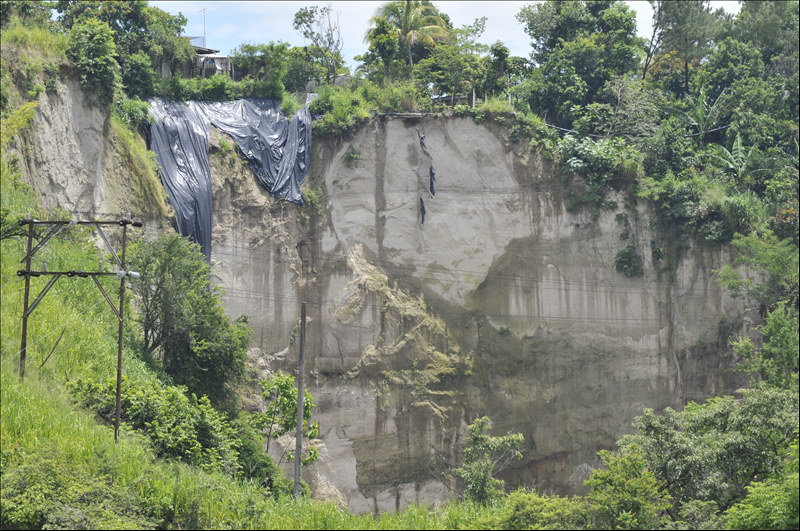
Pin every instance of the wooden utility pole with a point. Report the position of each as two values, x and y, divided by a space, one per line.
298 446
23 349
122 274
120 336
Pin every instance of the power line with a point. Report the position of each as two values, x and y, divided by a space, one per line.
333 304
472 276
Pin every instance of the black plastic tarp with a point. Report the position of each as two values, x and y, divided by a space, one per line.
277 149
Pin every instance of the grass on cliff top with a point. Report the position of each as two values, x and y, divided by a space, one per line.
37 43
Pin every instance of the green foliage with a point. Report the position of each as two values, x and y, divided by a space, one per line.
580 46
484 456
44 492
531 510
134 113
628 262
776 362
455 67
773 259
320 29
255 464
770 504
312 200
737 160
138 76
417 23
280 417
184 325
626 494
496 106
178 425
340 110
711 452
93 52
148 192
16 121
605 164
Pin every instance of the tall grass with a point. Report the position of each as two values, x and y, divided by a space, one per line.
36 41
149 195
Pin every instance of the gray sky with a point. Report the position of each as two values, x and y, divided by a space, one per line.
228 24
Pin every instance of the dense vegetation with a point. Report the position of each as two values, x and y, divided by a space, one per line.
700 121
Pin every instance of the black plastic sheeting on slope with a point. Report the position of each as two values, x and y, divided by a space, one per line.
277 149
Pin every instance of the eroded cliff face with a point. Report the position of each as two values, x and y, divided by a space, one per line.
76 161
502 303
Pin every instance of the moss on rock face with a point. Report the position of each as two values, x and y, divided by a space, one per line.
403 356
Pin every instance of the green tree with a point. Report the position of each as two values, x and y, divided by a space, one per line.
685 31
138 76
625 494
183 321
710 452
417 22
730 61
455 67
318 27
280 417
773 260
579 46
31 12
266 63
485 456
384 56
92 50
136 27
776 361
770 504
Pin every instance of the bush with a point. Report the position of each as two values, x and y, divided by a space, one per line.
45 492
530 510
92 50
496 106
138 76
606 164
338 110
134 113
628 262
178 425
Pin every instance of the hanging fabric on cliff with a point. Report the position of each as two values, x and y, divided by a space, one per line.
277 149
432 186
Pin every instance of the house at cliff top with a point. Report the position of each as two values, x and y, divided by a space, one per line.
206 62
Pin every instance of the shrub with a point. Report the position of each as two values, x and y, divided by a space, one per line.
485 456
628 262
530 510
606 164
496 106
339 111
138 76
177 424
92 50
46 492
134 113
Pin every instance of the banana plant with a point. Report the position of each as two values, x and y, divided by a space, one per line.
736 160
702 114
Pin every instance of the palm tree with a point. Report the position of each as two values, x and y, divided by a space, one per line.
417 20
